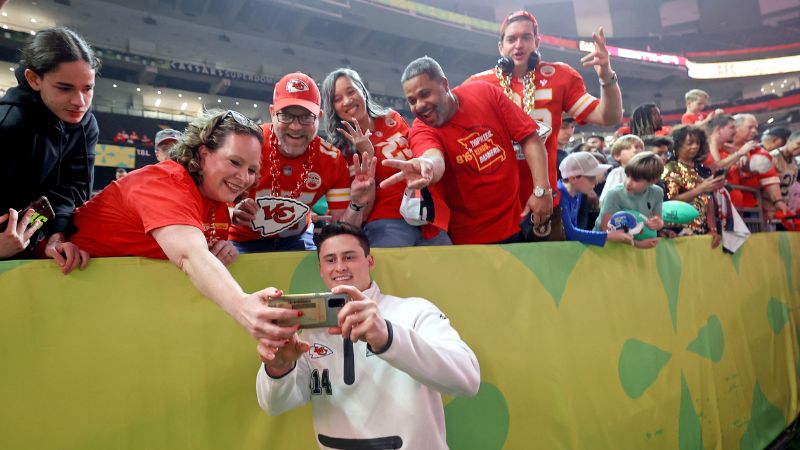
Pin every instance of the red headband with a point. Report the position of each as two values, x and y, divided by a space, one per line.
516 14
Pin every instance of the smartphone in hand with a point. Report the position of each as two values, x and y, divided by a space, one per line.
319 310
42 212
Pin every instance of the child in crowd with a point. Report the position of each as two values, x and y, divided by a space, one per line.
639 193
659 145
581 171
696 101
622 151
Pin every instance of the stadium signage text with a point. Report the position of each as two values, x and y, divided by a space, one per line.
222 73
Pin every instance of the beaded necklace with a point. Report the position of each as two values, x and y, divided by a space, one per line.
273 170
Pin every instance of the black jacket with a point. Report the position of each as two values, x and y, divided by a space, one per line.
41 155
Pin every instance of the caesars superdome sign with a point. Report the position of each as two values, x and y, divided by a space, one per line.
222 73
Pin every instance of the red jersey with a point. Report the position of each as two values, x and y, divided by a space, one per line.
481 179
664 131
559 88
755 180
390 140
691 118
322 170
118 221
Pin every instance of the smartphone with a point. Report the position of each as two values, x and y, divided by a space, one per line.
319 310
720 173
42 212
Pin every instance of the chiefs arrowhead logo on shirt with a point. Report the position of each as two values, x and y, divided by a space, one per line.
319 351
296 85
547 71
276 214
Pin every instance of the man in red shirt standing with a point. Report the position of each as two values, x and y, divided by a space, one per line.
297 169
544 90
757 171
462 139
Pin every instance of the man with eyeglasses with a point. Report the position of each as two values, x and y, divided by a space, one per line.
297 169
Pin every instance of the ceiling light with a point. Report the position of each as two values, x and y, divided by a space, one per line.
199 98
255 105
158 92
158 102
237 103
138 89
5 14
33 20
771 119
5 27
33 33
115 84
11 69
219 101
183 106
180 95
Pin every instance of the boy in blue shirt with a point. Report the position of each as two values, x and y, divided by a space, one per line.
638 193
580 171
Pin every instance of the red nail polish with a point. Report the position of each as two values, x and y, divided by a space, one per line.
299 313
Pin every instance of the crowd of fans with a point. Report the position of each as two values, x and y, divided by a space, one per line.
473 168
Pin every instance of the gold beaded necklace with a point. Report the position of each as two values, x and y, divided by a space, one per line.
273 169
528 87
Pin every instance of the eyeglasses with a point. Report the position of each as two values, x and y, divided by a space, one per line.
303 119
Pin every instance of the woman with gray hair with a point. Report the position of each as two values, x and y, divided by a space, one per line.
170 210
354 122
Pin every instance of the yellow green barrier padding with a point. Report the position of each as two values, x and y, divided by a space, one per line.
677 347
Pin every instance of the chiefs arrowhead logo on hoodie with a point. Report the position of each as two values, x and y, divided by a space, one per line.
319 351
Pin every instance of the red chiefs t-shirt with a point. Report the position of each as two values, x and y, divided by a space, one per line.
558 88
691 118
118 221
327 175
481 179
390 141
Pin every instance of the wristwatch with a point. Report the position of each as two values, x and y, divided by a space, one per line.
356 207
539 191
613 80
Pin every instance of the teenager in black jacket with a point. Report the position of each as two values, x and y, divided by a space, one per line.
47 140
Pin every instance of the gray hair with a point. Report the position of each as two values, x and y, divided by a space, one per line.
332 120
425 65
740 118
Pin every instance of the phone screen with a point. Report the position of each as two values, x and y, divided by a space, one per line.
43 212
